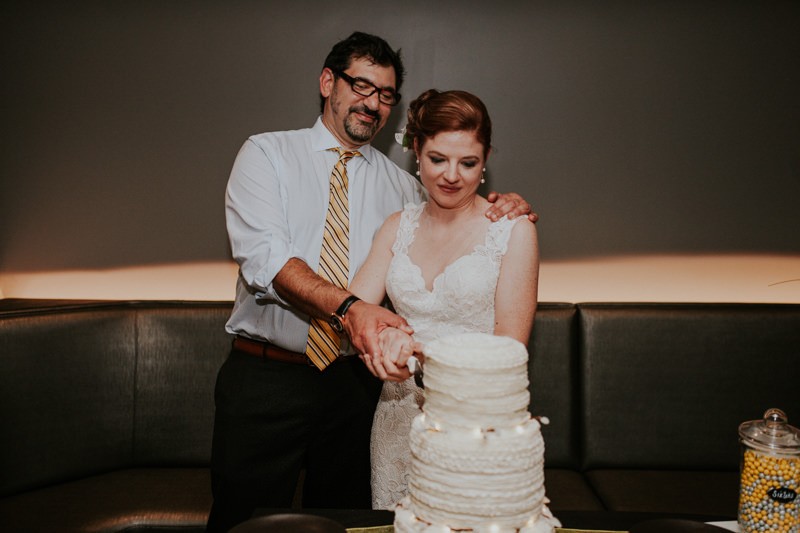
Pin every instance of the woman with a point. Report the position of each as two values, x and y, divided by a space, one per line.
446 268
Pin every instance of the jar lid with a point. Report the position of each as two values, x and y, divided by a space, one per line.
773 433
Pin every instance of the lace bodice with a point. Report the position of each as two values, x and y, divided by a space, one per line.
460 300
462 296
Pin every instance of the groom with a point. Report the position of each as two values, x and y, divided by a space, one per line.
285 397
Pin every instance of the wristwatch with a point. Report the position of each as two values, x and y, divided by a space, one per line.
336 318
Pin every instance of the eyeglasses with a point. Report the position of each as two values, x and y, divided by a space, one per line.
363 87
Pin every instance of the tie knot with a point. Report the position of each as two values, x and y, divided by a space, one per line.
345 155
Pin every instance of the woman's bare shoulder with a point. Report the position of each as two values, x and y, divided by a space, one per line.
523 234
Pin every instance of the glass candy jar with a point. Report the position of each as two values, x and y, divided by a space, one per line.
770 474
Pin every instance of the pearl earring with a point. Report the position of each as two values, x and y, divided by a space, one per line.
417 167
483 180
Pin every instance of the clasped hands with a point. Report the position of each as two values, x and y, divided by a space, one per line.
383 340
396 347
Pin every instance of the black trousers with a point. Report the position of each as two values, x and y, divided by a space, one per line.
273 419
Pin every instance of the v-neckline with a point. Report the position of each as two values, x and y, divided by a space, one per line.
418 269
436 278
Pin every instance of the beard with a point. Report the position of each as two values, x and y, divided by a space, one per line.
359 131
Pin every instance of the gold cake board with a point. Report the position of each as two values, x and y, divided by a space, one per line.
390 529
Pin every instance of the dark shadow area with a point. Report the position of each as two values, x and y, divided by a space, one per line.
645 128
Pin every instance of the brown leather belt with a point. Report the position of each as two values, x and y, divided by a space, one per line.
269 351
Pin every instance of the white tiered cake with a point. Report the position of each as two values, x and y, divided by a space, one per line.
477 455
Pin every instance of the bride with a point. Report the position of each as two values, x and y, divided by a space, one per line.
445 267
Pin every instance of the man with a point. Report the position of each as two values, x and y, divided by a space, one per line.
289 396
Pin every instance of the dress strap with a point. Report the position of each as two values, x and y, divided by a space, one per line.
498 235
409 220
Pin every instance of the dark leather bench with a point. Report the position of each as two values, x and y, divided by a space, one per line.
107 410
661 390
107 407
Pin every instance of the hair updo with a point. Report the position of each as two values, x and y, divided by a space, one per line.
434 112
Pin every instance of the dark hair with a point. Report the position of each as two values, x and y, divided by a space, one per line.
368 46
434 112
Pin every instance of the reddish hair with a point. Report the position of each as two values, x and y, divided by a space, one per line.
433 112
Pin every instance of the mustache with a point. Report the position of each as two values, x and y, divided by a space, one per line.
374 113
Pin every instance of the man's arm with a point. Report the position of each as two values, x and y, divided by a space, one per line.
304 290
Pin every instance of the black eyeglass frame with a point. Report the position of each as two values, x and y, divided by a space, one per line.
353 81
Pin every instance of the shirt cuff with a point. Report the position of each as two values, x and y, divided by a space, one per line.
279 256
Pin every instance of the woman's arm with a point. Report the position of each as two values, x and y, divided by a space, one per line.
369 283
517 289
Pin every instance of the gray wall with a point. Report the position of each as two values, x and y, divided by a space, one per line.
633 127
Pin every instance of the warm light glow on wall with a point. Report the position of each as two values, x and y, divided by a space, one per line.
195 281
724 278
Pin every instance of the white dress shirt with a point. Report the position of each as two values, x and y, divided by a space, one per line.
275 205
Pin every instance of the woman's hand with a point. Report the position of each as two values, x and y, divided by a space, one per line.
396 346
364 322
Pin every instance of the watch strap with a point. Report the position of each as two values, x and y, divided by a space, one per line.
350 300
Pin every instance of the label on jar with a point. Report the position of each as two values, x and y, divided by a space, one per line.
782 494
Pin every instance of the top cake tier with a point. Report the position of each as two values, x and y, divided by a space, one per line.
476 380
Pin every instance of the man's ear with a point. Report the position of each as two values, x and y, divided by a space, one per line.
326 81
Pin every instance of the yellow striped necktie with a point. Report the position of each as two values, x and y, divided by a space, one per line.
334 259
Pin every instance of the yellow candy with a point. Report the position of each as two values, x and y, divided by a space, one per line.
768 493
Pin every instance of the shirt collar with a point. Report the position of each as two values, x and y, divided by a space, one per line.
322 139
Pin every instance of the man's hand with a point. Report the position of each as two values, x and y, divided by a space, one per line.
364 321
397 347
511 204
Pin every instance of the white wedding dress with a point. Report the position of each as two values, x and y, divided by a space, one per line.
461 300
